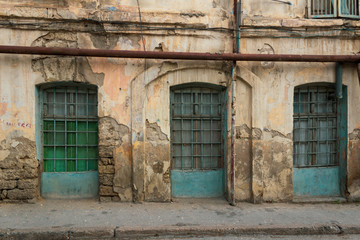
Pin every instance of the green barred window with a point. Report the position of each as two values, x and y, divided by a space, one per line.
70 129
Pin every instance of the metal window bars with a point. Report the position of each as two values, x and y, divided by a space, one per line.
315 126
333 8
196 127
323 8
349 8
70 132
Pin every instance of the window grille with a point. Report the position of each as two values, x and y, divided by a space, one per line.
70 129
349 8
315 126
196 115
334 8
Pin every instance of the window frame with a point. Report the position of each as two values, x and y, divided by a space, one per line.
338 10
311 110
220 90
66 119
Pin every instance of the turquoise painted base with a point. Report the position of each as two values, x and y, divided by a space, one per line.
316 181
69 185
197 184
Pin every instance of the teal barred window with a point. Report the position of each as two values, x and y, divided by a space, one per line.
197 128
70 128
334 8
315 126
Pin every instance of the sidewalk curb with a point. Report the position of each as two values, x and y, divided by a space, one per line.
172 231
219 230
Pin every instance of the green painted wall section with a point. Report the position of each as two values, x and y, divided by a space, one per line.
69 185
342 139
316 181
38 124
204 183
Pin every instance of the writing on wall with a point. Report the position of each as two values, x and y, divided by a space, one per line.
16 123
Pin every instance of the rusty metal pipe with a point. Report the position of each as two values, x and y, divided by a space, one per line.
177 55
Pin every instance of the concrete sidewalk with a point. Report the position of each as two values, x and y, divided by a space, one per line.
90 219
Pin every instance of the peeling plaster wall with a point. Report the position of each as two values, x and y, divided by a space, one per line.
157 122
212 13
134 152
19 167
133 94
114 161
272 154
271 8
354 165
243 140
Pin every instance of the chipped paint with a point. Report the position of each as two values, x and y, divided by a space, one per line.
133 94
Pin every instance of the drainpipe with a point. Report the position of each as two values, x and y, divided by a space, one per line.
339 93
232 161
237 10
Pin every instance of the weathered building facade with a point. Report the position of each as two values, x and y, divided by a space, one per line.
150 130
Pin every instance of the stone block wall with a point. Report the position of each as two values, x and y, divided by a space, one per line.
19 170
113 138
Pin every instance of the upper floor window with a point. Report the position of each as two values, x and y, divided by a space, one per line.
334 8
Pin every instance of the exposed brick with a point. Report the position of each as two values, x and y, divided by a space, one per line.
19 194
107 191
30 173
28 183
3 194
10 174
106 161
106 179
106 151
7 184
107 169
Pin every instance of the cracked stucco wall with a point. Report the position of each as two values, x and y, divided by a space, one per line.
157 120
274 117
133 94
126 173
114 161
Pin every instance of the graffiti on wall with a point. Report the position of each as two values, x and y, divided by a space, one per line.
16 123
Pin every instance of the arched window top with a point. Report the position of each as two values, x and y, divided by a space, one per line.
314 99
69 101
44 86
198 85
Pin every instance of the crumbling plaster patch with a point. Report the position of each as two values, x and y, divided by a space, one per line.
277 167
64 68
243 169
157 161
353 165
115 169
